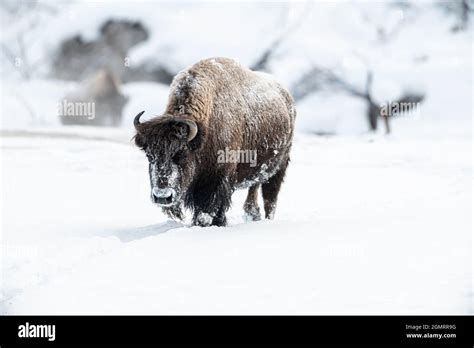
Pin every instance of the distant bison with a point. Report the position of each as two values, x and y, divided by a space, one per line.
225 127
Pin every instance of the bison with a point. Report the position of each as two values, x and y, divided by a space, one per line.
214 107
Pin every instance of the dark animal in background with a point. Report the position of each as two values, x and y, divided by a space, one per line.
214 106
103 92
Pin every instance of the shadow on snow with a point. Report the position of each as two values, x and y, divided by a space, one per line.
131 234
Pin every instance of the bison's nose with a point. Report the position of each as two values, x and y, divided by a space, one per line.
162 196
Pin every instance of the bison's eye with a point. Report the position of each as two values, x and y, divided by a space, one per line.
149 156
179 157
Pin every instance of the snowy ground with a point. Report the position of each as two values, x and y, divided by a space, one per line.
364 225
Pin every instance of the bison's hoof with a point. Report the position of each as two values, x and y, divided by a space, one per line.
253 217
203 219
252 213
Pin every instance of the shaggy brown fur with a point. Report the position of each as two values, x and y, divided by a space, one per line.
234 108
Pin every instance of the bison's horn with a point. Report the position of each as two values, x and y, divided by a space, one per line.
193 128
136 120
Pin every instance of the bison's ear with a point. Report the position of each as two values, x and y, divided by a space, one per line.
179 130
140 140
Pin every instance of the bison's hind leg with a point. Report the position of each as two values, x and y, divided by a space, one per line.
252 211
271 188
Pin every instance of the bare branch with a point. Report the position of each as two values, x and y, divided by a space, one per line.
262 62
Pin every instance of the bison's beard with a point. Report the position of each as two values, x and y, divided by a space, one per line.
175 212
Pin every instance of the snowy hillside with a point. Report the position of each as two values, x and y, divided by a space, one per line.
407 48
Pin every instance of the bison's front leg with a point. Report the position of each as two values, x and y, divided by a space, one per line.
211 200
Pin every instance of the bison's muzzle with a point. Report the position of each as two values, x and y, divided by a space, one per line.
163 197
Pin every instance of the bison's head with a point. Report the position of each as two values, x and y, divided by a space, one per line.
169 143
